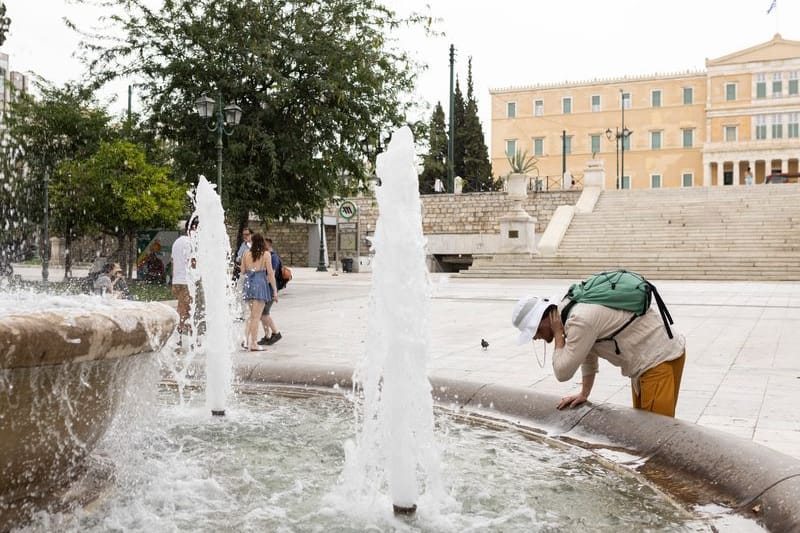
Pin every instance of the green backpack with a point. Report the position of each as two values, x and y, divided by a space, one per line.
618 289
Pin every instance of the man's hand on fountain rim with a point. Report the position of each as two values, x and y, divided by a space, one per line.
573 400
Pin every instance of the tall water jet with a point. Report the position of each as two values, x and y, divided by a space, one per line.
213 260
394 445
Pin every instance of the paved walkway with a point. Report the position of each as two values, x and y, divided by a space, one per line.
742 373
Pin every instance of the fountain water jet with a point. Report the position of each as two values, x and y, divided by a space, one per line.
213 262
395 441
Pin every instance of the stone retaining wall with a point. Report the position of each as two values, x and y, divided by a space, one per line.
445 214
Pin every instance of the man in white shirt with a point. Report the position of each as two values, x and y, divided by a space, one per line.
182 261
246 234
237 262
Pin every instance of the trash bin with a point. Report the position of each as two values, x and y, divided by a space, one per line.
347 264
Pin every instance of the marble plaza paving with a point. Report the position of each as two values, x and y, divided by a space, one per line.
742 373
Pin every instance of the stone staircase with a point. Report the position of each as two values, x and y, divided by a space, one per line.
699 233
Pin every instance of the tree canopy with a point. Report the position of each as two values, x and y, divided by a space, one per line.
122 191
312 78
62 124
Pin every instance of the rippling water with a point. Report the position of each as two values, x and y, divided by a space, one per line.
273 464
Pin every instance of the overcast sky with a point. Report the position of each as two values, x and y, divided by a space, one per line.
511 42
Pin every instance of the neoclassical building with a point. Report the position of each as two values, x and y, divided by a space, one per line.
674 130
12 83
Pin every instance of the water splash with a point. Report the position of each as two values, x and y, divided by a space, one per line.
394 447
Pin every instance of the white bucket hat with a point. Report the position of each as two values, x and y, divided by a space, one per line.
527 314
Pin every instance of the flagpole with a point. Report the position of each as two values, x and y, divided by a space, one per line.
777 18
773 6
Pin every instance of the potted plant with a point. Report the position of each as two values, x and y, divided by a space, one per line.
521 164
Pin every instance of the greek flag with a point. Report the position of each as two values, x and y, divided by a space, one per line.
772 6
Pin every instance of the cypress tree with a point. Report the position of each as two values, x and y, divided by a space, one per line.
459 110
477 169
435 162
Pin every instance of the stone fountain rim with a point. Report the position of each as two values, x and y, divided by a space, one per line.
689 462
56 336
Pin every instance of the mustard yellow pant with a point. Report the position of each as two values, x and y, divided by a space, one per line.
659 387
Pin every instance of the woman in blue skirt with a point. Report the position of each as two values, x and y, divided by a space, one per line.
259 288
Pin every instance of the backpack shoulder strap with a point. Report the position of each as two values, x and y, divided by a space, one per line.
612 337
566 310
662 309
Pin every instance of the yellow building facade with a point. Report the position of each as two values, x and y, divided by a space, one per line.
738 118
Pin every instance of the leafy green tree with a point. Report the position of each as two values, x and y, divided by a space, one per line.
312 78
435 161
124 193
477 167
63 124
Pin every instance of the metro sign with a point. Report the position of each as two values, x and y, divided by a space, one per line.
347 210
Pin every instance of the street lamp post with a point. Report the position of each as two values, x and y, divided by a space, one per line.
372 153
45 248
615 135
230 115
321 264
620 135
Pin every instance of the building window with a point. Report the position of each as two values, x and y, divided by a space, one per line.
688 96
655 98
626 182
595 103
626 143
793 131
538 146
655 181
761 86
566 105
793 83
511 109
538 108
511 147
730 134
730 92
626 100
777 84
594 144
761 127
777 127
688 179
688 137
655 140
568 144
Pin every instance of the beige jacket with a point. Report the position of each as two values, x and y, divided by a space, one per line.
642 345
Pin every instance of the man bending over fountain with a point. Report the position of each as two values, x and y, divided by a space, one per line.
641 348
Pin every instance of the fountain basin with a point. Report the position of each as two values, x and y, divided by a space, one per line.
696 465
274 464
62 374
